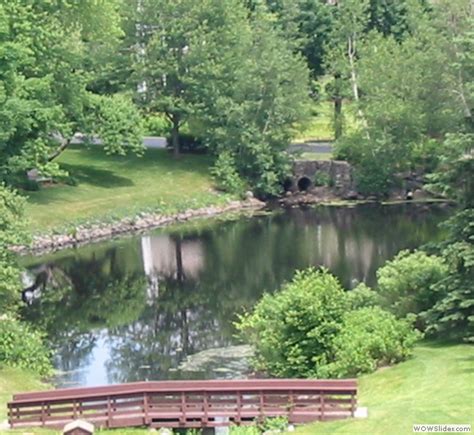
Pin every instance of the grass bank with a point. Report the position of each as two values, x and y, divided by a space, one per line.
113 187
435 386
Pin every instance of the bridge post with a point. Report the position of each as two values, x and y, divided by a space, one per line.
145 409
182 418
109 413
205 409
291 405
239 408
321 405
352 404
43 416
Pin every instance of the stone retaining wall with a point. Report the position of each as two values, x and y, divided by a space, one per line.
144 221
338 173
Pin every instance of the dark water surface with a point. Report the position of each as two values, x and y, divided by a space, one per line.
134 308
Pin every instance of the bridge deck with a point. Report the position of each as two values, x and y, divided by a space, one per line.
186 404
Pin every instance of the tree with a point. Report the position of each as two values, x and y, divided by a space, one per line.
265 94
453 315
50 53
407 284
179 40
403 91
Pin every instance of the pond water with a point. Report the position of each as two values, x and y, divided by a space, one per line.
136 308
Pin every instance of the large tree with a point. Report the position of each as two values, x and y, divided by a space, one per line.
50 52
177 40
264 97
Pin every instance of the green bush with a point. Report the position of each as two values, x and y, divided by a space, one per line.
22 347
362 297
322 179
405 284
293 330
226 176
313 328
369 338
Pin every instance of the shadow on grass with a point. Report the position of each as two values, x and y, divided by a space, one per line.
96 177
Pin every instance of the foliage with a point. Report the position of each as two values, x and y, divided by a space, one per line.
406 283
322 179
273 424
22 347
12 232
408 91
226 176
118 124
180 40
369 338
259 103
50 52
452 177
362 297
156 125
313 328
294 329
453 315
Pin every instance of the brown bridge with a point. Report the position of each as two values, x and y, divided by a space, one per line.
187 404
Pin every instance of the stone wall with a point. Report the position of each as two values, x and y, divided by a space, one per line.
338 173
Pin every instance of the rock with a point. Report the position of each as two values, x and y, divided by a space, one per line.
249 194
420 194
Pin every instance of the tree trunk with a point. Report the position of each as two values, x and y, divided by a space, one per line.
64 144
337 117
175 136
351 52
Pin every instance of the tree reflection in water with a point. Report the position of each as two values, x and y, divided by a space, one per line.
145 303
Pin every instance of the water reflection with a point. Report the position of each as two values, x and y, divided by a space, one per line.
133 309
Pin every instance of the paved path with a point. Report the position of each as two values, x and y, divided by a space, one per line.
159 142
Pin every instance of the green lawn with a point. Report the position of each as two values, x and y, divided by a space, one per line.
436 386
116 186
321 123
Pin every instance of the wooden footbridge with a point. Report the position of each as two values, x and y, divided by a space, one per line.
186 404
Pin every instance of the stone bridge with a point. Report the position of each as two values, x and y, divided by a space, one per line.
311 173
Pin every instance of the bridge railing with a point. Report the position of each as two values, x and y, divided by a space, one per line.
187 404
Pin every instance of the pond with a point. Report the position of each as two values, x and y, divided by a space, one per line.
135 308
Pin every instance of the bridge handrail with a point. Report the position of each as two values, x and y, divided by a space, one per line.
188 386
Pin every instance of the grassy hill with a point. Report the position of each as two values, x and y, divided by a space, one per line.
115 186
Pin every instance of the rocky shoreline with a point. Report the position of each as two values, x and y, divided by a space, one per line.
83 234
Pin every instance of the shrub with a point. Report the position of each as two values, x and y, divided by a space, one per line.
22 347
406 283
362 297
293 330
226 176
322 179
12 232
369 338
